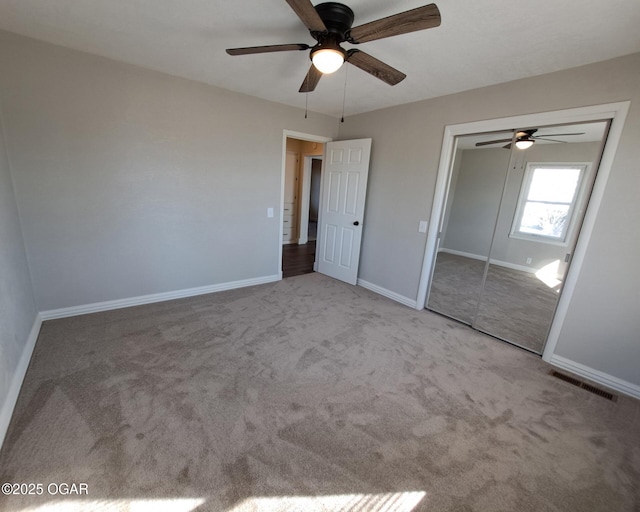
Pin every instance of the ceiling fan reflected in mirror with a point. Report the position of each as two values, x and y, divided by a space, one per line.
330 23
526 138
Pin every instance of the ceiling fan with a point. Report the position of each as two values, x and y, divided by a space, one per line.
330 23
526 138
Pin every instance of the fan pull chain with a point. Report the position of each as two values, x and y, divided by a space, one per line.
306 104
344 94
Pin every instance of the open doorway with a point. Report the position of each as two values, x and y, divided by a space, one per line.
345 171
301 198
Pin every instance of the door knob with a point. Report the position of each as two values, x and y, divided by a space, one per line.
356 223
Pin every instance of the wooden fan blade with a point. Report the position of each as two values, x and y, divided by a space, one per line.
311 80
308 15
403 23
486 143
267 49
375 67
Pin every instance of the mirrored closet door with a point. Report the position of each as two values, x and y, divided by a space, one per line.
513 213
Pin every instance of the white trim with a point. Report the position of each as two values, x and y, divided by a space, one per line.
155 297
18 377
609 381
387 293
437 214
305 196
618 117
514 266
617 112
305 136
305 189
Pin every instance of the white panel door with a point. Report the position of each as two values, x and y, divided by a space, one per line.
344 186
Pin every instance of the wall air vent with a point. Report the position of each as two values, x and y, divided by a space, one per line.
588 387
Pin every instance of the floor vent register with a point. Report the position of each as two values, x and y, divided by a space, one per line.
588 387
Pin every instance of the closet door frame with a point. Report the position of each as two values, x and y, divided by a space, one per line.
616 112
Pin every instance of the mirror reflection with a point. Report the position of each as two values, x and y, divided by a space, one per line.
511 221
476 183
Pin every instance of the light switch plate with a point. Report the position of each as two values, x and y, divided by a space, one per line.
422 228
270 213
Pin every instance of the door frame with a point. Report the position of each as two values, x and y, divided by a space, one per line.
616 112
290 134
305 197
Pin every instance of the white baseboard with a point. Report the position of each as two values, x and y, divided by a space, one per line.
156 297
597 376
388 293
500 263
18 377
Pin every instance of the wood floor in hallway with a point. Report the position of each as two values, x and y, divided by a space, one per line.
298 259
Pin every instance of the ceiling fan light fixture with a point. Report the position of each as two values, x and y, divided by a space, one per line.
524 143
327 60
331 23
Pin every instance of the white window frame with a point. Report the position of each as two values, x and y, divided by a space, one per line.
515 232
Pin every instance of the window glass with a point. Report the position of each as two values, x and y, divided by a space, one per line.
547 198
553 184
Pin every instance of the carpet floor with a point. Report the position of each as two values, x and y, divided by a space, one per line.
308 395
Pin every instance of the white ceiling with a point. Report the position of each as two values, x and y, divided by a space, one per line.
479 43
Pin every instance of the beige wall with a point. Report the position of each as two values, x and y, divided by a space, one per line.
133 182
474 200
17 305
602 324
